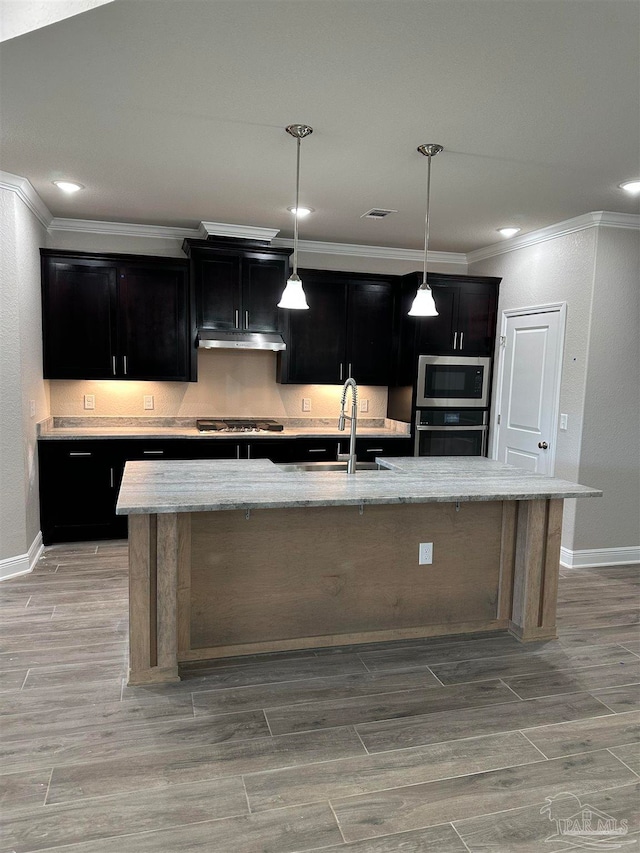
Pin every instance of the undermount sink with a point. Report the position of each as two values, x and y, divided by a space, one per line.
329 467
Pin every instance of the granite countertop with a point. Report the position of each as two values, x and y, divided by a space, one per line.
188 486
158 428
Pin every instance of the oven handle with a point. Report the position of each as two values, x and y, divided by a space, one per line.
452 426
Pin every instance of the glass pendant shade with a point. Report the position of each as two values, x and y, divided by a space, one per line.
293 294
423 305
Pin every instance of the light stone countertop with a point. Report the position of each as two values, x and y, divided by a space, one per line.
204 485
82 428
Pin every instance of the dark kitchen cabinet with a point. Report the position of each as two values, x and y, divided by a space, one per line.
370 448
79 483
347 331
115 317
467 316
237 287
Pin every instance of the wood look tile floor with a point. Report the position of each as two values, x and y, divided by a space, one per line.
448 745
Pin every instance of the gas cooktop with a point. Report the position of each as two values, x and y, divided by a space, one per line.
238 425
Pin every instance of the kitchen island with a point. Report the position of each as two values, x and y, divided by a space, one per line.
233 557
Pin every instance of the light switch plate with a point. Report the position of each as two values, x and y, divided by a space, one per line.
564 422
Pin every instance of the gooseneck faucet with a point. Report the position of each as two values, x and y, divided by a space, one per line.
353 417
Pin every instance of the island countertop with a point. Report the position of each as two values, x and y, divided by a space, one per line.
210 485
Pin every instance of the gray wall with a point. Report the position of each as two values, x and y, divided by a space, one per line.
21 235
610 453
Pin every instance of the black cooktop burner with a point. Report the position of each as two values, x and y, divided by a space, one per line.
238 425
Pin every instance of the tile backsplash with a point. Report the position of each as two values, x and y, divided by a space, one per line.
230 384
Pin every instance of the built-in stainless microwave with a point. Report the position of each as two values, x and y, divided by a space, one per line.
453 381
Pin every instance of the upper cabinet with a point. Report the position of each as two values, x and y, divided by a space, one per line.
466 321
237 287
347 330
115 317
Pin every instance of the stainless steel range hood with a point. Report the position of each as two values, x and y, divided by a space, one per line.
239 339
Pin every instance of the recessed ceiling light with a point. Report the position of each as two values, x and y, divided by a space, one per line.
632 187
509 231
301 212
68 186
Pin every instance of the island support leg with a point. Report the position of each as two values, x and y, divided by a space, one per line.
536 568
157 545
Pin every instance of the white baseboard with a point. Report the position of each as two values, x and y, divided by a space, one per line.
592 558
12 567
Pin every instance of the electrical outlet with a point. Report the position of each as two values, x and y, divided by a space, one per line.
564 422
148 401
306 404
425 554
364 405
89 401
32 408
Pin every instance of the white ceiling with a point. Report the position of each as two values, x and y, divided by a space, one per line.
171 112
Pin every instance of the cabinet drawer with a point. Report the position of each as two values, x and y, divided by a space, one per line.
369 448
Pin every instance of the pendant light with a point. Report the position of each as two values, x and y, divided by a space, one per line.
423 304
293 294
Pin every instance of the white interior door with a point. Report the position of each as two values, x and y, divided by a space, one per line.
529 387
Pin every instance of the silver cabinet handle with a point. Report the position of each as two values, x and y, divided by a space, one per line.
248 451
246 319
350 371
461 339
341 377
237 451
237 319
125 364
113 364
455 340
111 477
153 452
80 453
318 450
374 450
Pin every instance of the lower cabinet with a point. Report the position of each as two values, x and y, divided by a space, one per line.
80 479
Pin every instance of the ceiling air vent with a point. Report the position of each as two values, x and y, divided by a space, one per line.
377 213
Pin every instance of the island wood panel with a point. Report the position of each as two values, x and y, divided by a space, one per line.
336 575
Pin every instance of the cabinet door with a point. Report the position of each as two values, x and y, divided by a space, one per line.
316 338
153 329
275 449
368 449
370 329
477 319
318 449
79 484
436 335
78 318
217 290
263 280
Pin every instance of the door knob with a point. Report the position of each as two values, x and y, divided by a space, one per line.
543 445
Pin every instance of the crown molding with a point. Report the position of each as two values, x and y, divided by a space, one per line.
607 219
124 229
361 251
248 232
26 193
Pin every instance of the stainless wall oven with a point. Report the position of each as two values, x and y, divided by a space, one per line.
453 381
451 432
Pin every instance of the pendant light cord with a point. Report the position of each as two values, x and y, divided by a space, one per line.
426 223
295 217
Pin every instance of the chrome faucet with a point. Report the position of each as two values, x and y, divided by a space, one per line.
353 417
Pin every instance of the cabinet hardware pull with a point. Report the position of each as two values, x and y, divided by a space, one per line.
237 451
246 319
237 320
113 364
248 451
461 339
111 477
455 340
375 450
350 373
341 377
153 452
79 453
125 364
318 450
